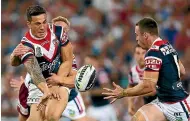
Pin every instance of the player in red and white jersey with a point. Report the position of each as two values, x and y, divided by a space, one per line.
135 77
163 70
50 47
75 109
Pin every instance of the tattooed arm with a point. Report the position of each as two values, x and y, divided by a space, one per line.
33 68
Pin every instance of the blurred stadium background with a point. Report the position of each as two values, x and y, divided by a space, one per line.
101 27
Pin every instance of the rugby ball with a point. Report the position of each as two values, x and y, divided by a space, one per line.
85 78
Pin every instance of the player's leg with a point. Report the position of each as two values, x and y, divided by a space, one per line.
56 107
143 114
22 106
34 114
85 118
33 99
75 110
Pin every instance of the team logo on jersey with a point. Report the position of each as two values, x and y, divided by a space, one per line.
167 49
177 85
153 63
179 119
38 51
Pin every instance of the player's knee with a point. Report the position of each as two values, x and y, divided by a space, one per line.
53 117
33 119
64 90
64 93
138 117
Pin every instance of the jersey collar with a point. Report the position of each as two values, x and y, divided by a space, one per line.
158 39
36 37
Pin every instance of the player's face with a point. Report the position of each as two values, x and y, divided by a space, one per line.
38 25
139 56
63 24
141 39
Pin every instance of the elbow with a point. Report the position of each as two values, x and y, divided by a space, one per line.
15 61
151 89
15 64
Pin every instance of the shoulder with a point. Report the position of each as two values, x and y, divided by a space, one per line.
156 45
156 49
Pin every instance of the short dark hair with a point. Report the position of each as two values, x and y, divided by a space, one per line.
34 10
148 25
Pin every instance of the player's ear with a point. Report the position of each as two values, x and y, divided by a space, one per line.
145 35
29 24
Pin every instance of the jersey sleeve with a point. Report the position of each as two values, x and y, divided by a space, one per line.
153 61
25 56
62 35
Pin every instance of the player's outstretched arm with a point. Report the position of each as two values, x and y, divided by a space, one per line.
33 68
147 87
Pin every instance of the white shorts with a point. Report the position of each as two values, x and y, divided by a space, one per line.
75 108
179 111
102 113
35 94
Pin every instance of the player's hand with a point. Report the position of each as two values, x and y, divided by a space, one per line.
53 79
43 101
115 94
131 110
55 92
20 50
16 84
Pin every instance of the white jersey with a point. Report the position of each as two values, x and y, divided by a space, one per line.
135 74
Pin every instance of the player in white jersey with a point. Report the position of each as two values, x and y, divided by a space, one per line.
49 48
135 77
161 76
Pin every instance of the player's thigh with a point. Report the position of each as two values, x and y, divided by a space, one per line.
34 114
21 117
81 119
149 112
56 107
85 118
